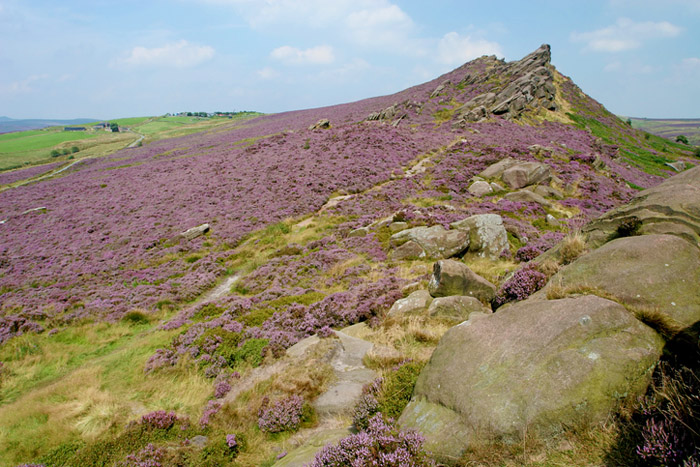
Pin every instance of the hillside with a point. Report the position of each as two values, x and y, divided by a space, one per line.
175 276
670 128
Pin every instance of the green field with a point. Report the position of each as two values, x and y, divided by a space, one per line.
34 147
670 128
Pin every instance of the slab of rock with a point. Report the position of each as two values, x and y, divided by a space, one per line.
487 234
456 308
306 453
547 191
497 169
436 240
524 174
351 374
194 232
398 226
452 277
527 196
672 207
409 250
538 366
361 232
496 187
416 303
480 188
657 271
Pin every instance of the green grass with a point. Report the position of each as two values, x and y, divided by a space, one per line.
669 128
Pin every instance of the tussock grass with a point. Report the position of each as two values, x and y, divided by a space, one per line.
571 247
492 270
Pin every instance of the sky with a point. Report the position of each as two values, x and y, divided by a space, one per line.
123 58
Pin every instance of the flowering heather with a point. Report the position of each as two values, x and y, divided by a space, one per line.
150 456
25 174
367 405
381 444
231 441
524 282
159 419
210 410
283 415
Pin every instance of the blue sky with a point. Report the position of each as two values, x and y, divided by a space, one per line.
119 58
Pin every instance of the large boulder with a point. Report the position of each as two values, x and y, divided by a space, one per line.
527 196
487 234
437 241
456 308
451 277
538 366
526 173
409 250
673 207
415 304
655 271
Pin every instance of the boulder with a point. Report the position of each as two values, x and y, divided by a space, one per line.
538 366
414 304
451 277
361 232
527 196
672 207
656 271
496 187
678 166
480 188
497 169
456 308
487 234
409 250
436 240
322 124
524 174
397 227
194 232
546 191
306 453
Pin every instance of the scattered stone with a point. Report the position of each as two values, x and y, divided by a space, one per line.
661 272
599 163
487 234
414 304
480 188
546 191
305 454
456 308
408 289
409 250
452 277
523 174
496 187
551 220
194 232
541 151
536 367
527 196
439 89
199 441
678 166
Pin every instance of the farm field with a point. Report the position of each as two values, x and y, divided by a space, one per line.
670 128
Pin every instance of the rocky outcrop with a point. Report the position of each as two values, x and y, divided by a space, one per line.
436 241
532 87
452 277
537 366
480 188
497 169
487 234
672 207
409 250
526 196
660 272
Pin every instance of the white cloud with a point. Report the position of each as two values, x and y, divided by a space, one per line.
625 34
267 73
24 86
691 63
179 54
454 49
322 54
379 25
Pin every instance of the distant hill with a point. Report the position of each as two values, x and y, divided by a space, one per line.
8 125
670 128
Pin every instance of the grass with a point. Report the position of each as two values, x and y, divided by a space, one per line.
34 146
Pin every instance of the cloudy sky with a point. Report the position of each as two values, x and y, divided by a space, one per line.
118 58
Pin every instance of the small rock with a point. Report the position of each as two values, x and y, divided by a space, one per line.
361 232
678 166
322 124
526 173
496 187
199 441
414 304
551 220
409 250
398 226
195 232
408 289
497 169
527 196
452 277
480 188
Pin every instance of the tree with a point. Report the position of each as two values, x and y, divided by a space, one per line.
114 127
55 153
629 122
681 139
